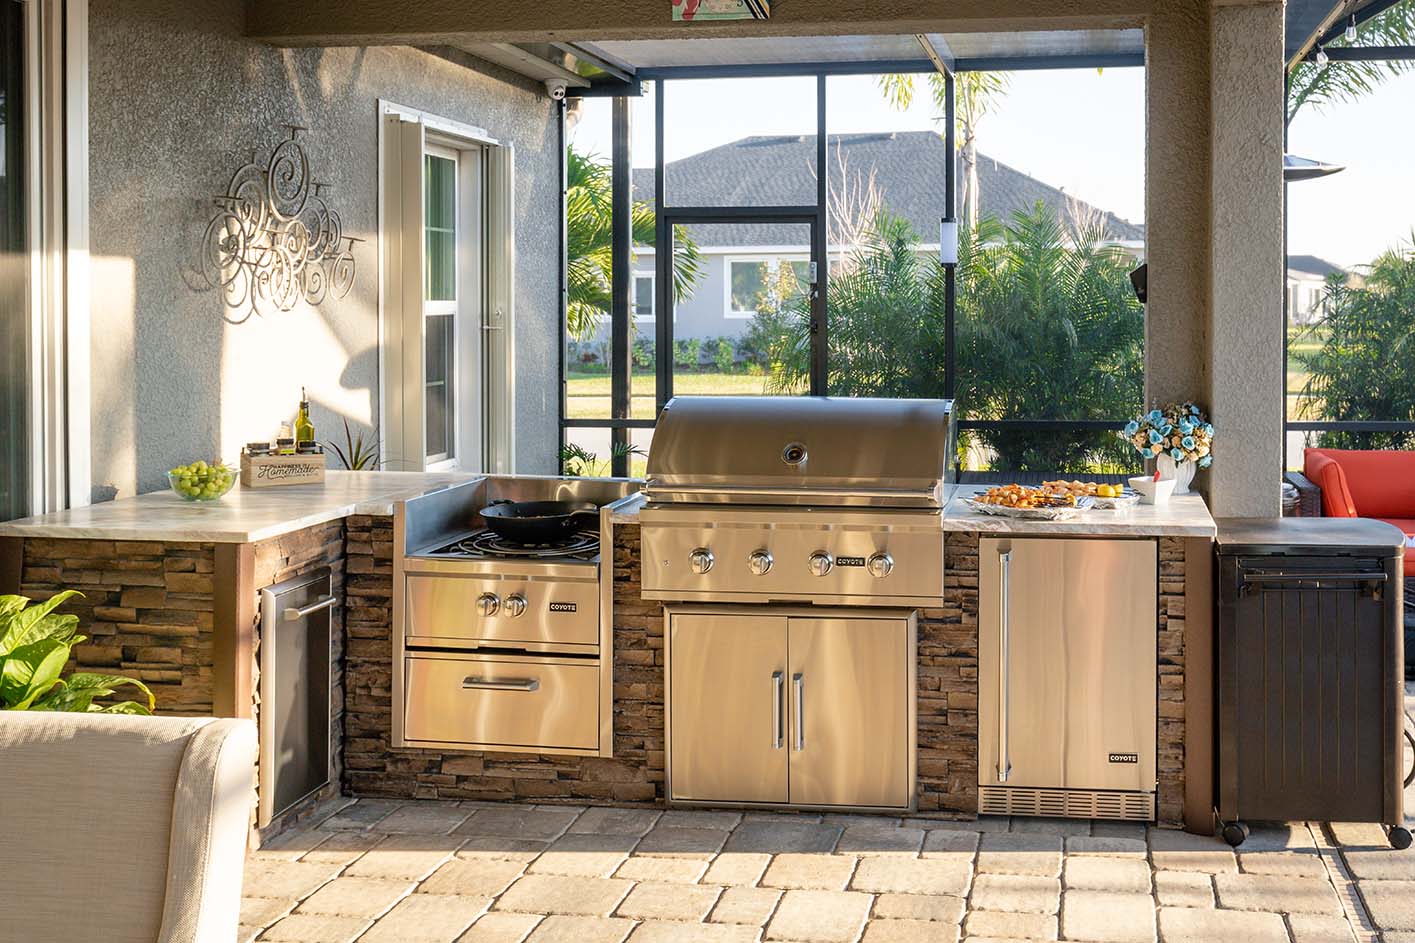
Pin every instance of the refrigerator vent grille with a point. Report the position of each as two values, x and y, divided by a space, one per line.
1067 803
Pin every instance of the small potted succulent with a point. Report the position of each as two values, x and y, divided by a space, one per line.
1178 437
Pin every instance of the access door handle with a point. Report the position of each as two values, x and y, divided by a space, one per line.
502 684
292 614
798 688
1004 561
778 732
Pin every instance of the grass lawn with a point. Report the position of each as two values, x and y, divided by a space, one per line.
587 397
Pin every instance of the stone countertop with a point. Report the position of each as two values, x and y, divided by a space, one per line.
245 515
1183 516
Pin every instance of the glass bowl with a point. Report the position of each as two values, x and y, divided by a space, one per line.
201 485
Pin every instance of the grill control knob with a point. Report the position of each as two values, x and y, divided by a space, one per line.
759 562
700 560
820 563
488 604
880 565
515 605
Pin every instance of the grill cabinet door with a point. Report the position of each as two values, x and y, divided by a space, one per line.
727 689
849 694
1071 704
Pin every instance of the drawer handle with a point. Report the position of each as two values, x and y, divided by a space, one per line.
324 602
502 684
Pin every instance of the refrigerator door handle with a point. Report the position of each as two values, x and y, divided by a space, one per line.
798 687
1004 766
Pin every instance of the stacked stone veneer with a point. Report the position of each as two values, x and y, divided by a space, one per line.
374 768
147 609
947 694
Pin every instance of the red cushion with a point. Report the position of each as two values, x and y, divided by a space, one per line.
1407 527
1363 483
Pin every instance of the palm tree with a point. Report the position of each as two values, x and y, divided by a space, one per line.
1331 82
589 238
975 94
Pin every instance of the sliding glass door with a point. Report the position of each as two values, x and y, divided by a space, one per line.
15 339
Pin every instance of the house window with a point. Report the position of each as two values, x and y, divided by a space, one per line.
440 238
750 280
643 296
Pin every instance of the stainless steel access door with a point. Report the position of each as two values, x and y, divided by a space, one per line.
850 692
1066 663
727 710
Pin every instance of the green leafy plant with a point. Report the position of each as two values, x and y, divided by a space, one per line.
1362 361
642 353
357 453
35 645
723 353
589 237
1048 328
580 462
685 352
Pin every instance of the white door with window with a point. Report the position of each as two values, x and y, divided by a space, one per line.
445 228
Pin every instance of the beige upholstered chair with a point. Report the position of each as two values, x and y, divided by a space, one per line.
122 829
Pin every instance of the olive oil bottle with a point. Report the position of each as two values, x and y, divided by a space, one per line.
304 429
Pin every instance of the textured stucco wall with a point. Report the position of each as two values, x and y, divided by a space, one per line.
178 98
1246 260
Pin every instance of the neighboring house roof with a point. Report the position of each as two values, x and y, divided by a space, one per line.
908 167
1312 265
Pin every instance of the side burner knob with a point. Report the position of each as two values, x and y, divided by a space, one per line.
488 604
515 605
759 562
700 560
820 563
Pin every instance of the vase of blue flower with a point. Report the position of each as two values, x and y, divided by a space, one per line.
1178 437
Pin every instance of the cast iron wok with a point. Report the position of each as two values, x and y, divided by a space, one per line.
539 522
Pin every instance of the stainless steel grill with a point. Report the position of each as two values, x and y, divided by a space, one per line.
798 499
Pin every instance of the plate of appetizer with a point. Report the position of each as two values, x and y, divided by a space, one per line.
1025 503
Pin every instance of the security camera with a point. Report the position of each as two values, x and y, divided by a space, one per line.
555 88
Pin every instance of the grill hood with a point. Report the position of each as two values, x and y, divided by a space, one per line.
802 450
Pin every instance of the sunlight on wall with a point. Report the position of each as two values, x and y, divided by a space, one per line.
113 325
266 360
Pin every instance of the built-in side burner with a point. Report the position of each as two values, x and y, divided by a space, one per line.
485 544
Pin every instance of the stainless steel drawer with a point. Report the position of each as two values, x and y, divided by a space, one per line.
442 612
534 703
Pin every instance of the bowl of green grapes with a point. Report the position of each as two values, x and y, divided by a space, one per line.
201 481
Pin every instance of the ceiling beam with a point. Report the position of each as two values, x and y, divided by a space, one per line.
609 65
453 22
522 62
937 49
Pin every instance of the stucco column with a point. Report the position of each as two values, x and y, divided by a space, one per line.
1246 265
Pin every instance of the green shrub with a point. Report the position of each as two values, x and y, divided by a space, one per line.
35 646
686 352
642 353
1363 365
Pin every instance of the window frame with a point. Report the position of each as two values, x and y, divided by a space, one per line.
483 384
453 308
650 277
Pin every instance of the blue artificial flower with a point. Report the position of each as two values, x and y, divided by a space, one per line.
1193 409
1187 442
1167 428
1208 430
1155 415
1185 426
1206 461
1176 454
1132 427
1155 437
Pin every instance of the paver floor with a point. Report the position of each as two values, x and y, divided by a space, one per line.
447 872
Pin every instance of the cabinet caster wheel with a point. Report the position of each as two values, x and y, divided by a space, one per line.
1399 838
1235 833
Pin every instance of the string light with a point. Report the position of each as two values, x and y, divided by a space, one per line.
1351 29
1322 57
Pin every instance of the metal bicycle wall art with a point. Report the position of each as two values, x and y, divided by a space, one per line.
274 239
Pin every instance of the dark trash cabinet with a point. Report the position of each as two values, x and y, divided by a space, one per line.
1308 673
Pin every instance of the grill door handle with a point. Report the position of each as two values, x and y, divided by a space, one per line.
778 710
501 684
1004 765
292 614
798 688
